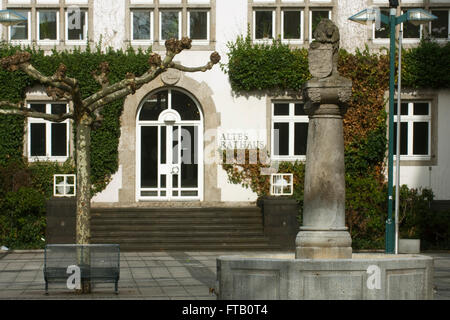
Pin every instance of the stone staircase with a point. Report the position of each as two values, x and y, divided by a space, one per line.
194 229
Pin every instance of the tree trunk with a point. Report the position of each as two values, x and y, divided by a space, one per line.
83 221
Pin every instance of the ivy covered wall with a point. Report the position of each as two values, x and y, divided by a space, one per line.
33 181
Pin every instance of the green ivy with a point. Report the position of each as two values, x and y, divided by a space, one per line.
271 66
80 65
426 66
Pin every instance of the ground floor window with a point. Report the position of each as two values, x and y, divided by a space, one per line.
415 130
48 140
289 131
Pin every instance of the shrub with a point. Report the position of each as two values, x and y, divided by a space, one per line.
22 217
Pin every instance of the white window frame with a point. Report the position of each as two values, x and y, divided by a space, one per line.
448 27
141 41
48 134
292 119
380 40
310 20
86 29
411 119
293 41
273 24
411 40
24 41
65 185
43 41
203 41
281 181
180 30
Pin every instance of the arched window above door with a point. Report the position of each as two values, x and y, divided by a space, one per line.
155 103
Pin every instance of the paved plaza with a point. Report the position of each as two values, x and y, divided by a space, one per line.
148 275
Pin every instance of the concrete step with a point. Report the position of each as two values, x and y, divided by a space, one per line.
175 227
140 247
147 229
182 222
178 233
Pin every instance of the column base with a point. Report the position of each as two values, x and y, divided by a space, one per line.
323 245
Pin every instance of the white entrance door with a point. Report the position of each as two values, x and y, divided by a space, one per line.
170 148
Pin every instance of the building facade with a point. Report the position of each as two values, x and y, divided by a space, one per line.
173 128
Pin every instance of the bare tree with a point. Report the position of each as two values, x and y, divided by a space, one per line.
85 113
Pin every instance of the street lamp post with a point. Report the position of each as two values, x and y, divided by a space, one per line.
415 16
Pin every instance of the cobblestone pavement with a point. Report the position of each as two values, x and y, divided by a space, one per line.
148 275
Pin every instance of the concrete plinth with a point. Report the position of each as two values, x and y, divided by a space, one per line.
364 277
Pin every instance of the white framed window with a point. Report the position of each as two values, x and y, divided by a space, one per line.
289 131
21 33
415 130
198 26
440 28
141 26
64 185
76 29
48 26
282 184
48 140
411 32
315 16
169 25
292 25
263 24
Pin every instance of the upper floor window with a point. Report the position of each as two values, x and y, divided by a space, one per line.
141 25
291 20
440 28
48 140
286 19
315 16
48 25
76 25
264 24
21 31
198 25
415 130
154 22
289 131
169 24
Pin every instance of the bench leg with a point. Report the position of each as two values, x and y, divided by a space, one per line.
116 287
46 288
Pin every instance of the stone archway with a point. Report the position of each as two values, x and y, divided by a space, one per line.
127 146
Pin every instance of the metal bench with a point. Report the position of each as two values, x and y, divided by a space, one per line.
97 263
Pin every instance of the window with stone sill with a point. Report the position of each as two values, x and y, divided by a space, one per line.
315 16
198 26
76 26
440 28
48 140
21 32
48 25
263 22
169 25
415 130
289 131
141 25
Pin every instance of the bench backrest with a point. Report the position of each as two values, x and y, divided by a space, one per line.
98 255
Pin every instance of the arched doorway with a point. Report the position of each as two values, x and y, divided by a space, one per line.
169 159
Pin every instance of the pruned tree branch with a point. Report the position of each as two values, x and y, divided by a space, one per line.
157 66
101 74
19 109
59 85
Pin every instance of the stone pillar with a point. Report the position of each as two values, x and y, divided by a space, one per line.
324 234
